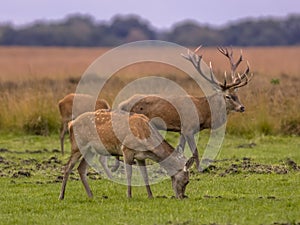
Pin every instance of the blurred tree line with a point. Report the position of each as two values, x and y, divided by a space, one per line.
83 30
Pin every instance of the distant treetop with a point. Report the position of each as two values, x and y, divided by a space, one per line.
83 30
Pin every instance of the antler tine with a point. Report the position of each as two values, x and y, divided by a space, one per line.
197 49
229 55
245 76
238 61
196 61
246 71
225 80
245 82
224 51
212 77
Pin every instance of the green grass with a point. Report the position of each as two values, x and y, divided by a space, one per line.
252 182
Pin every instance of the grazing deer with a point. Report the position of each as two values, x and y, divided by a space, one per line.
154 106
85 103
135 138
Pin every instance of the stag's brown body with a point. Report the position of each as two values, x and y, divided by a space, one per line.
166 108
130 136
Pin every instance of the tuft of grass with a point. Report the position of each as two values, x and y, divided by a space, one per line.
291 126
31 110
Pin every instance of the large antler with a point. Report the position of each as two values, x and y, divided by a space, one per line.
237 81
196 61
229 55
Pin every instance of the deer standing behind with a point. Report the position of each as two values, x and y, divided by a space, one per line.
85 102
136 139
154 106
65 106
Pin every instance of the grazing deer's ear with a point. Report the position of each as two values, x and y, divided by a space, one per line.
188 164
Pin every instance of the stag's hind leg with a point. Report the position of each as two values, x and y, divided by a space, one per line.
191 142
180 147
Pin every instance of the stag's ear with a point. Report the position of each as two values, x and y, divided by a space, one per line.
189 164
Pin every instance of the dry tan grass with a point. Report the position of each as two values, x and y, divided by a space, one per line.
23 63
34 79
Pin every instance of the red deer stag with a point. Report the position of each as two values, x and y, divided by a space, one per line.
155 106
136 139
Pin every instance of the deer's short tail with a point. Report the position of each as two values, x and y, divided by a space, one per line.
70 127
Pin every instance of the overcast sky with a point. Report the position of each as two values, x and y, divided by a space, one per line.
160 13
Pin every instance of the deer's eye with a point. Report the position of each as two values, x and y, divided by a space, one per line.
228 97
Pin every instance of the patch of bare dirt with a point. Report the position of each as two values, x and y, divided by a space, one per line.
247 165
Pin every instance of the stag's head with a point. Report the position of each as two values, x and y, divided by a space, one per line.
228 88
181 179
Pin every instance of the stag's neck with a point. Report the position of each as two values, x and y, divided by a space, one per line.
218 109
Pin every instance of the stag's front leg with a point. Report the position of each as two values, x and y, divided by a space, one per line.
191 142
143 169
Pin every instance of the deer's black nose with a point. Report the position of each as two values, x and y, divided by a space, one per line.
242 108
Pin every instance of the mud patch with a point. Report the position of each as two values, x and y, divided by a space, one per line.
3 150
286 223
42 166
188 222
29 163
250 145
21 173
292 164
209 196
247 165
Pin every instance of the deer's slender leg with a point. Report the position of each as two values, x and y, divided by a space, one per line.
143 169
63 131
117 164
193 147
128 168
82 168
180 147
103 162
68 168
128 160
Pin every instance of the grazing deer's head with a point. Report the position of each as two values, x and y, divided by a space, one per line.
228 89
181 179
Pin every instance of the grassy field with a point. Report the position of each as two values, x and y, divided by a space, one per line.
253 181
